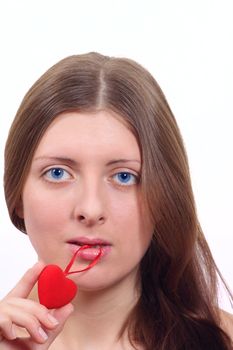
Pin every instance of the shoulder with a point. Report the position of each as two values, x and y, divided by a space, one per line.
226 322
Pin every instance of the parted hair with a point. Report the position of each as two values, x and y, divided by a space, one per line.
178 304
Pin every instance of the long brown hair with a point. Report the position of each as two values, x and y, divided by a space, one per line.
178 307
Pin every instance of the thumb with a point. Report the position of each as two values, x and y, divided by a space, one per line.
61 316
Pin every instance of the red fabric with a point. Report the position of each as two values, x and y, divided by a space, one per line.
54 288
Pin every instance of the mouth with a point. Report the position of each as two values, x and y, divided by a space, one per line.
94 247
94 243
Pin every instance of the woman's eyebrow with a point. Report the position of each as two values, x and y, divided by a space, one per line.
57 159
116 161
73 162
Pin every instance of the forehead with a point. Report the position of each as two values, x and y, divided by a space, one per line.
88 133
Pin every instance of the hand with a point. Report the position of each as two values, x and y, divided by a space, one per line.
42 325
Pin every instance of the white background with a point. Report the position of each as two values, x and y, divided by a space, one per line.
186 44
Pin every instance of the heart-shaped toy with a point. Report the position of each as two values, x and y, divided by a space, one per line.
54 288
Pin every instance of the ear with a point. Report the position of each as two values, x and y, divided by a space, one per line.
19 208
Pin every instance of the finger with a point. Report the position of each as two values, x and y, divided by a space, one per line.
33 308
61 315
38 335
6 327
16 316
27 282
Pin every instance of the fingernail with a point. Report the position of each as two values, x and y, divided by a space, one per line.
52 320
42 333
13 333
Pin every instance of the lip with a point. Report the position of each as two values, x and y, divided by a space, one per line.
88 241
89 253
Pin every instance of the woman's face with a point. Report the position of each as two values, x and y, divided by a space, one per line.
83 188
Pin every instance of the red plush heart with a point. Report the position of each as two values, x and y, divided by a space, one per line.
54 288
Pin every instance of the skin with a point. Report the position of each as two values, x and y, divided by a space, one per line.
97 196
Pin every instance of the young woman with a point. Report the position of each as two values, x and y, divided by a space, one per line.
94 156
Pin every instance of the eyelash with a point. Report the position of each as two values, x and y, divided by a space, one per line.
128 180
48 175
129 176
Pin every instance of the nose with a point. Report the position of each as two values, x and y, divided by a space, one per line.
90 208
88 220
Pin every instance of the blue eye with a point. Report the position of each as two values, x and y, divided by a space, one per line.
56 174
125 178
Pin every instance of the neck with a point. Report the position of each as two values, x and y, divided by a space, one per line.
99 317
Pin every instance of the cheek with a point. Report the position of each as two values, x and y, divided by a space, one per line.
41 212
134 226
